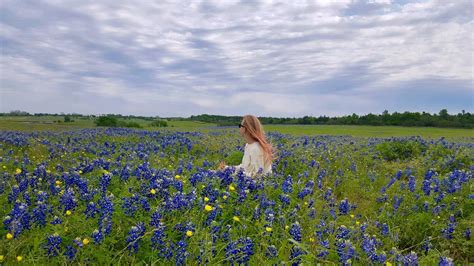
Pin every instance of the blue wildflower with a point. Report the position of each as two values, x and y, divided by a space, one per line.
344 207
295 231
53 245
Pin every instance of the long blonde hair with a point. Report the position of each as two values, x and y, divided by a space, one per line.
255 130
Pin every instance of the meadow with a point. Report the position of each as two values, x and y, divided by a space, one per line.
338 195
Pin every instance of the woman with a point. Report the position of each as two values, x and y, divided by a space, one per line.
258 154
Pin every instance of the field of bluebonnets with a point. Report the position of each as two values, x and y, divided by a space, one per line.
123 196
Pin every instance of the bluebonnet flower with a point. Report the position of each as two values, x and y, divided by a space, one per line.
181 253
344 207
369 246
104 182
449 230
307 190
440 196
426 246
343 232
239 251
382 257
53 244
345 251
18 219
70 253
26 198
390 183
425 206
256 213
78 242
158 242
134 237
97 236
125 173
295 255
105 224
67 200
411 183
467 234
396 202
106 206
269 215
445 261
56 220
436 209
295 231
156 217
91 210
271 251
42 196
382 199
385 229
130 205
332 212
410 259
40 213
12 196
285 200
287 185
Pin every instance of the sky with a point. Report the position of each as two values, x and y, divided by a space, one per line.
226 57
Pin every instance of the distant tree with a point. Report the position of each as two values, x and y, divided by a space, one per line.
106 121
19 113
443 113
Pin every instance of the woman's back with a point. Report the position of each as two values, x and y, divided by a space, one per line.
254 160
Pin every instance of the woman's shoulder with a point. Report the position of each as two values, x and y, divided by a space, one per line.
255 147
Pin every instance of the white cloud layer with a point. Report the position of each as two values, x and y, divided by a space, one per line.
272 58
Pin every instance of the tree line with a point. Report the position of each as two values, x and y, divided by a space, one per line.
441 119
424 119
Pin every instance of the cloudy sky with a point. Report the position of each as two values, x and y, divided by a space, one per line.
264 57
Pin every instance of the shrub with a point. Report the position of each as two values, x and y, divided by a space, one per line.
159 123
106 121
399 150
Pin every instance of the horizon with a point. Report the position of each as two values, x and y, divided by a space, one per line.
267 58
159 116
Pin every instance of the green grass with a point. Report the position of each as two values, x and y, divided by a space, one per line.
371 131
46 123
43 123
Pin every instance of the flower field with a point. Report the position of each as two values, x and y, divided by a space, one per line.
122 196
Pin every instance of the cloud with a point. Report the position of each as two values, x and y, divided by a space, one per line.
279 58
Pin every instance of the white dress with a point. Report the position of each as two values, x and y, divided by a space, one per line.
253 160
